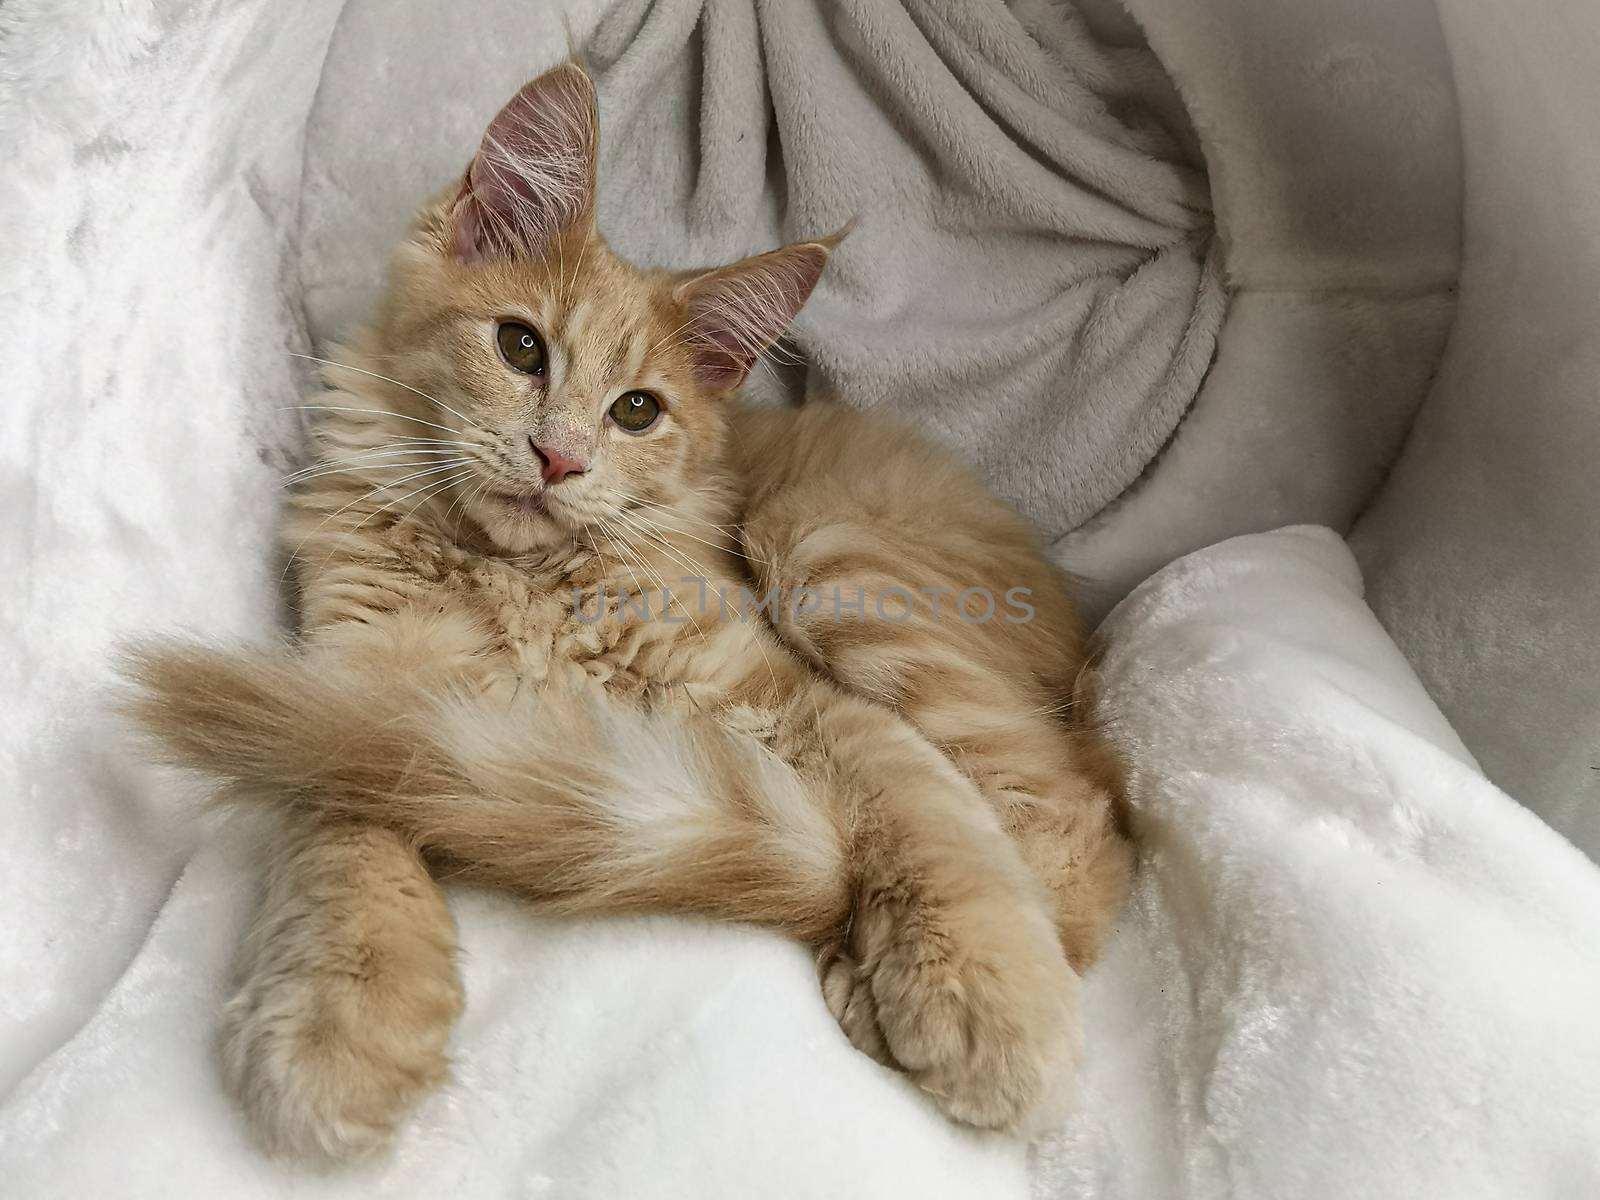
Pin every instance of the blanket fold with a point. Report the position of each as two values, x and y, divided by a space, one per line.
1352 967
1033 275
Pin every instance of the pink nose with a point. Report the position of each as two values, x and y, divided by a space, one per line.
555 465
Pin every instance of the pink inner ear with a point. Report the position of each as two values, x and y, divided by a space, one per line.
736 312
533 176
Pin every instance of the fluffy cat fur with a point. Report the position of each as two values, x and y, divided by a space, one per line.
918 799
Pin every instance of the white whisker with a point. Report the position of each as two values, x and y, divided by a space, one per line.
370 461
375 412
363 371
367 495
432 488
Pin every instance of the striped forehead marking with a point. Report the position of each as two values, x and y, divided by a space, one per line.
606 342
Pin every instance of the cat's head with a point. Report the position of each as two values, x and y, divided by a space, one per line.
581 385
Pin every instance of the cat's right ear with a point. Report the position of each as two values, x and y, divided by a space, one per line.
533 177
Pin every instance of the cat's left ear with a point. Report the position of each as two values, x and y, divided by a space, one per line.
533 177
736 312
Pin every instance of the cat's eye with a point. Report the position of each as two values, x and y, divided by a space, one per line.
521 348
636 411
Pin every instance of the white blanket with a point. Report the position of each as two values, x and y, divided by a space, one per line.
1351 968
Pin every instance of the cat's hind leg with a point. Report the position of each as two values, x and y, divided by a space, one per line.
949 967
1004 699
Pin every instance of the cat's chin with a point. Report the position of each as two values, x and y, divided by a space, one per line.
518 524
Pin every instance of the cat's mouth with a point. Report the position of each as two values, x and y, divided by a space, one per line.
522 521
526 504
519 522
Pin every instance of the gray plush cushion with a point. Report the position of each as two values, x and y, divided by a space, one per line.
1483 551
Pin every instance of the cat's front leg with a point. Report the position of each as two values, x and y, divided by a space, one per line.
350 989
349 992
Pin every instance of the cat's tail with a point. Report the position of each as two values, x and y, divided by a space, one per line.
582 805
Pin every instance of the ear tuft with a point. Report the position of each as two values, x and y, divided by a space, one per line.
533 177
736 312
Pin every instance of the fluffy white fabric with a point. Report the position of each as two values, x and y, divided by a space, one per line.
1351 968
147 309
661 1058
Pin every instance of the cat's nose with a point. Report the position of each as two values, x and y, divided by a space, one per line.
555 465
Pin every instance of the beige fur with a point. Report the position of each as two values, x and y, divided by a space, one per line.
917 798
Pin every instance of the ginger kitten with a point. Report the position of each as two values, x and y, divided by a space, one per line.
531 434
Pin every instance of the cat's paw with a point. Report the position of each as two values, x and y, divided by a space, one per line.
849 998
326 1064
988 1027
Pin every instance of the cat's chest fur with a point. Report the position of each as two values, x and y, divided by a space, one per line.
644 630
